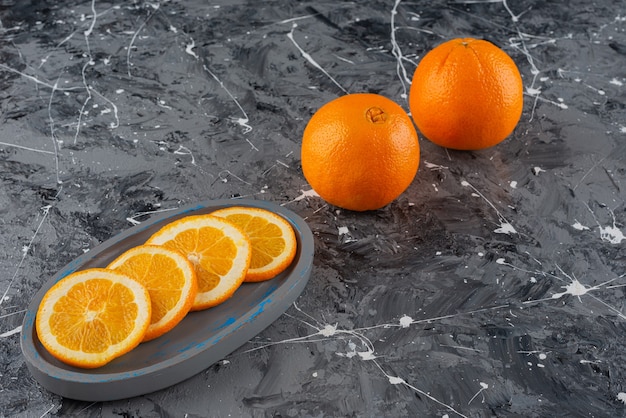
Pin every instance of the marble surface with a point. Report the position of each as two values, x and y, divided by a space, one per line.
494 286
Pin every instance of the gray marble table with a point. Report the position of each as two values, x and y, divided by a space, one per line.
494 286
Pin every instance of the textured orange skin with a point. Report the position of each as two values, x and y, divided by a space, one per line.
358 160
466 94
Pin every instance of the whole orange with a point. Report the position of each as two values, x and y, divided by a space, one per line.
466 94
360 151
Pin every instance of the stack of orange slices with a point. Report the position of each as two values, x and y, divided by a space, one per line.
93 316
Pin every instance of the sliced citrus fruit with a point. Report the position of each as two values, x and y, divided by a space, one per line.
271 236
170 279
219 251
93 316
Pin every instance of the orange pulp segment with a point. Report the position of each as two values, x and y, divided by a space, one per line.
219 251
271 236
170 279
92 316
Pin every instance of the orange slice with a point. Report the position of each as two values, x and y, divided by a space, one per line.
219 251
93 316
170 279
271 236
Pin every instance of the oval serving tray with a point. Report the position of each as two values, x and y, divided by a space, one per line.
199 340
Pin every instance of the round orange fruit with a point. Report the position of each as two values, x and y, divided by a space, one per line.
466 94
360 151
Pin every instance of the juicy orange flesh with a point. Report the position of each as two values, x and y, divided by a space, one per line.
266 238
80 318
161 276
209 250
